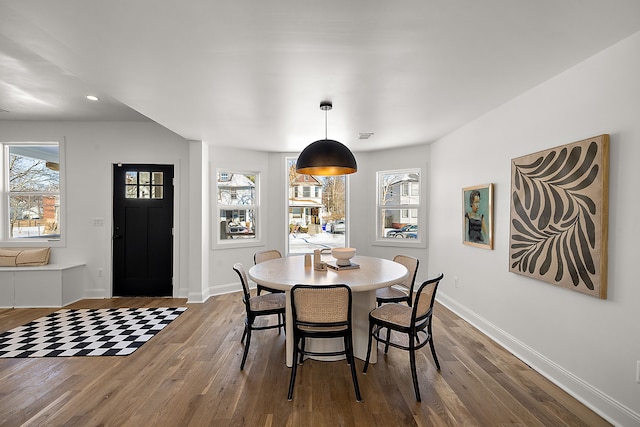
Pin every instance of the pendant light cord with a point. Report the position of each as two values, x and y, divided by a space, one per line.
325 124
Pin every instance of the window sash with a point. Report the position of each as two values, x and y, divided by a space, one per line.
237 209
398 204
32 205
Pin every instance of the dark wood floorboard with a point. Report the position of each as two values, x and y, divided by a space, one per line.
189 375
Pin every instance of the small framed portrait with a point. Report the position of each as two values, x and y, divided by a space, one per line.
477 216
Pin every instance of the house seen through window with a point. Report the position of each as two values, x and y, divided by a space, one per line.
316 211
398 204
237 205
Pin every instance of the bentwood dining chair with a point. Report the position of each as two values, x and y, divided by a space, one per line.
400 292
321 312
262 256
411 321
261 305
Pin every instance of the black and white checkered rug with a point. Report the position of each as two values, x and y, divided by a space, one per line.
87 332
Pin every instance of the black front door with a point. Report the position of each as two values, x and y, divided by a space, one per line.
142 230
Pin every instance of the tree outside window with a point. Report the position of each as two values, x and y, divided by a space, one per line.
316 209
398 204
33 190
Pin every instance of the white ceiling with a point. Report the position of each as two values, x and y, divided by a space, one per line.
251 74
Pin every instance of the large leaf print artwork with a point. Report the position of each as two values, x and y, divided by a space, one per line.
559 213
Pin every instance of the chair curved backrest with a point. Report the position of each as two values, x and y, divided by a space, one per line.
328 305
411 264
263 256
259 257
423 303
246 295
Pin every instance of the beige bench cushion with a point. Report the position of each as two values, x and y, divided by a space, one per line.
17 257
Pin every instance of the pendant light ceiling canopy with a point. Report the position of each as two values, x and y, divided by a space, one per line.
326 157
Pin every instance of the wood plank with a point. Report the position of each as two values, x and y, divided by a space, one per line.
189 375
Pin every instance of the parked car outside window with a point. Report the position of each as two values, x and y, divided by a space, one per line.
238 230
408 231
336 226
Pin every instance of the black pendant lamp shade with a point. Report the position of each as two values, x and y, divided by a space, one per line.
326 157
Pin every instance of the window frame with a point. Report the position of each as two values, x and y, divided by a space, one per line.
414 210
5 225
342 239
217 207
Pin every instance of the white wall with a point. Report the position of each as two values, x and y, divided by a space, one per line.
587 345
222 256
362 205
91 150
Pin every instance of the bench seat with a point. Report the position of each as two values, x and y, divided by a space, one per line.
50 285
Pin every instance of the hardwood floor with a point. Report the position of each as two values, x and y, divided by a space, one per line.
189 375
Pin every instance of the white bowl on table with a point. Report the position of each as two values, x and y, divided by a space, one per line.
343 256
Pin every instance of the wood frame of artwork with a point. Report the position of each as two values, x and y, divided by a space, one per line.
477 216
559 215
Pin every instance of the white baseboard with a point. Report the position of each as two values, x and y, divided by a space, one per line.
605 406
228 288
212 291
95 294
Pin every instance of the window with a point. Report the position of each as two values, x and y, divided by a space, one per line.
398 205
31 192
237 206
316 211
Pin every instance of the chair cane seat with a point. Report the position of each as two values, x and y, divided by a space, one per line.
267 302
396 314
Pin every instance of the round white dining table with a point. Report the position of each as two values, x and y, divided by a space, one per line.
373 273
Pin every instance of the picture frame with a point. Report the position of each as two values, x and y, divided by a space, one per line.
477 216
559 215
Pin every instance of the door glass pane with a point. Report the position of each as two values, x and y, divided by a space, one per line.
131 192
145 177
157 178
156 192
145 192
131 177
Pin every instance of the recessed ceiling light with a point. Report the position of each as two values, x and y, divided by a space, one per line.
365 135
92 98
